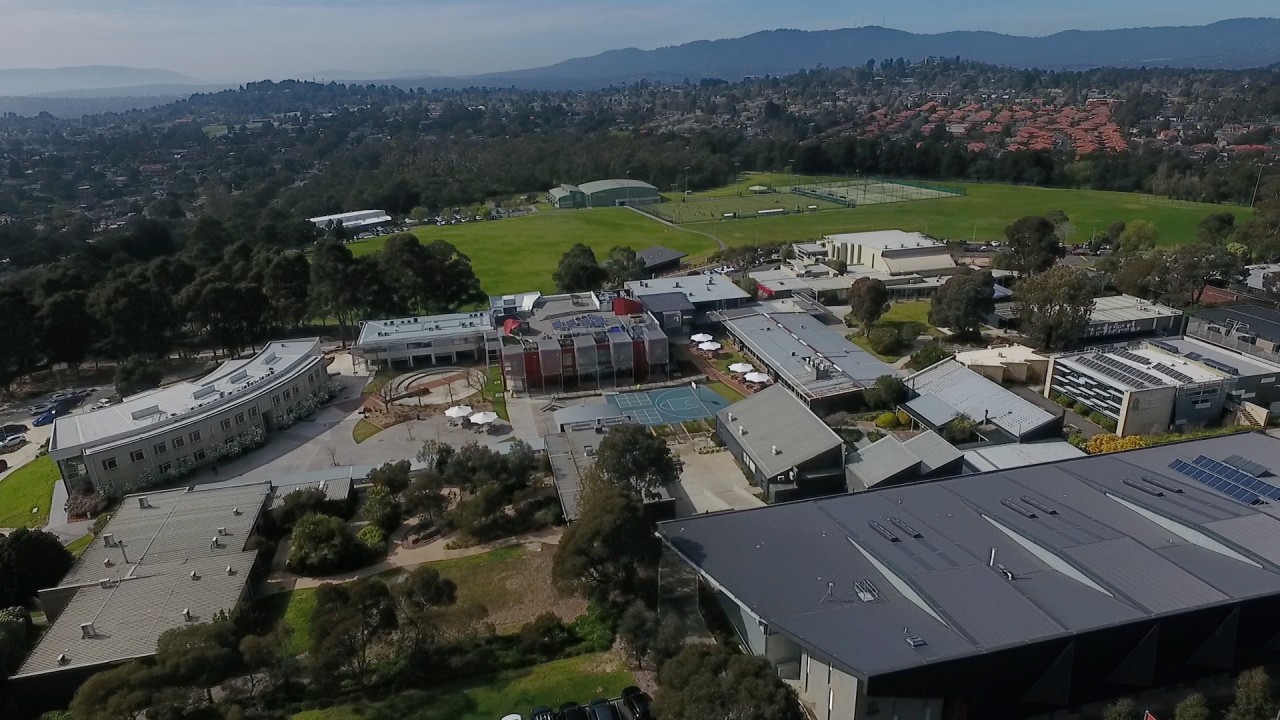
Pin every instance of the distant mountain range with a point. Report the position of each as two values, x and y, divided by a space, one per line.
1229 44
36 81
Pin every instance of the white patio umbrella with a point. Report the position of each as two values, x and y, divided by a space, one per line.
484 418
458 411
700 338
709 346
756 377
741 368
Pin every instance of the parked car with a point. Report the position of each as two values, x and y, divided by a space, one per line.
42 407
572 711
637 702
13 429
46 418
101 403
542 712
13 442
602 709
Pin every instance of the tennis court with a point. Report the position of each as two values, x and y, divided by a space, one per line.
669 406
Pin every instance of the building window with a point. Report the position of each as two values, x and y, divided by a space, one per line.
226 424
165 467
199 455
253 412
295 389
160 448
195 436
239 418
136 456
276 401
109 464
179 442
286 394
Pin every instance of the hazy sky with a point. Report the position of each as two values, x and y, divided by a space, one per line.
233 40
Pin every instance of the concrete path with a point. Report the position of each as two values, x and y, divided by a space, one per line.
402 557
720 244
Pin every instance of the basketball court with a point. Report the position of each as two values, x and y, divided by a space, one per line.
669 406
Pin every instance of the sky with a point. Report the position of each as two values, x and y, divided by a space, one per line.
239 40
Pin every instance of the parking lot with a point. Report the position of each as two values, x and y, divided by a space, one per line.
16 414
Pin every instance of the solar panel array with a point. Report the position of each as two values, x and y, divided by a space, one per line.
581 321
1243 479
1175 374
1244 464
1121 371
1221 484
1132 357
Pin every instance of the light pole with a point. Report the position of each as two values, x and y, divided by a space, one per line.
792 163
628 188
687 168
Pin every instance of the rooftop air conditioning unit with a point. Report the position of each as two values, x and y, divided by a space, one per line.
144 503
108 540
87 630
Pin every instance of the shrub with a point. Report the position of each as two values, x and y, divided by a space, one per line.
928 355
887 421
837 419
302 502
594 630
381 508
852 435
1106 443
1080 409
959 430
884 340
323 545
1064 401
903 418
373 538
874 435
545 637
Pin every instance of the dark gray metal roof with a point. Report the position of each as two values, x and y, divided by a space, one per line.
658 255
977 397
933 451
774 418
1107 554
667 302
1262 322
881 460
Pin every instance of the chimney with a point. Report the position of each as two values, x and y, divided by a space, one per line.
87 630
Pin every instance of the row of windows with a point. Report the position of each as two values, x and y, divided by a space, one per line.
179 441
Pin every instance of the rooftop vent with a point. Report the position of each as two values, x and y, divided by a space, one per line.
742 430
884 531
731 418
1161 484
1006 572
774 449
144 503
194 576
108 540
214 544
235 511
904 527
1038 505
222 531
186 614
230 571
63 659
915 641
87 630
106 562
1018 508
1143 487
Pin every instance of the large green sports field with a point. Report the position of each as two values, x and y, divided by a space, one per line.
981 214
519 254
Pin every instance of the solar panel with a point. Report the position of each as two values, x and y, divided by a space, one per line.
1216 482
1244 464
1133 357
1124 372
1243 479
1171 372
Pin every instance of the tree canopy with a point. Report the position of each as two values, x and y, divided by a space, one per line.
1031 245
868 299
30 560
579 271
705 681
1054 307
963 303
635 458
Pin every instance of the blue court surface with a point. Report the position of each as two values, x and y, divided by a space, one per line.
670 405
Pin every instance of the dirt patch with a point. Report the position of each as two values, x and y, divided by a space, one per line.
529 581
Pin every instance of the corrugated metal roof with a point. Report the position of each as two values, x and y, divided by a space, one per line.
979 398
1085 549
881 460
933 451
773 418
933 409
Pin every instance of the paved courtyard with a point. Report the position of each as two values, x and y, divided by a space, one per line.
711 482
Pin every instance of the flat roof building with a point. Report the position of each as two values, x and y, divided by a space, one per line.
1178 382
658 260
706 293
1006 363
782 446
1247 329
159 433
1115 316
553 343
165 560
948 390
894 252
814 361
354 220
1007 594
429 340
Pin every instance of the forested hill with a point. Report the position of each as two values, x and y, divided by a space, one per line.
1240 43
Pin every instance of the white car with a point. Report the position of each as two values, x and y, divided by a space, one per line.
13 441
102 402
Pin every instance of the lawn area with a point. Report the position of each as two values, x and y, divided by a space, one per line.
982 214
578 679
295 608
908 311
77 546
364 430
380 379
520 254
30 486
493 392
726 392
778 180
